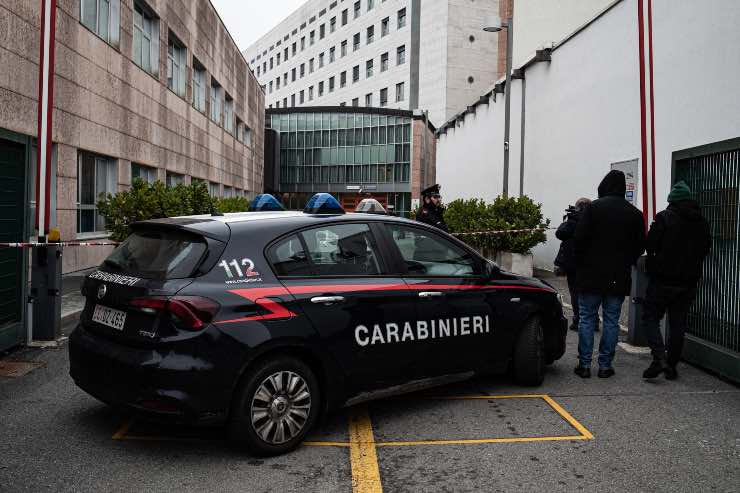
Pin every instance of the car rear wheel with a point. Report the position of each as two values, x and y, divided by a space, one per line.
529 354
276 405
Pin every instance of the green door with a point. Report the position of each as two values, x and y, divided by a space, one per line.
12 183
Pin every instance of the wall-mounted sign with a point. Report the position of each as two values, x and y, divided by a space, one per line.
632 175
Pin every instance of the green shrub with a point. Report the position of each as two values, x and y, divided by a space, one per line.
503 214
155 200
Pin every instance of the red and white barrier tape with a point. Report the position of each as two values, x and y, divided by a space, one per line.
62 244
501 232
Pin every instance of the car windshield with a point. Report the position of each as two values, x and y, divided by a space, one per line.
157 255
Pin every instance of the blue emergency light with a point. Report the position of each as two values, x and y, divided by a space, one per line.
265 202
323 203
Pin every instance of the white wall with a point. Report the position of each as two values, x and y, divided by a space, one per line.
583 108
542 23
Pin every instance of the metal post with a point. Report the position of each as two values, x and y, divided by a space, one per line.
521 145
507 112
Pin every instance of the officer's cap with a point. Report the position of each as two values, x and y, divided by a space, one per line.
433 190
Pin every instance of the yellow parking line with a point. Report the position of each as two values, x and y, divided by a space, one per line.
362 454
326 444
482 440
570 419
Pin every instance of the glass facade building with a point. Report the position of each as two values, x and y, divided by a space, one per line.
349 152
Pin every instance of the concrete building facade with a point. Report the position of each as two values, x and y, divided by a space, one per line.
619 93
155 89
353 153
402 54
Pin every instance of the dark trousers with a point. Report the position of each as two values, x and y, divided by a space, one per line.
573 296
675 301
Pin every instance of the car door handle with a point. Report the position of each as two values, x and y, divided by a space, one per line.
431 294
327 300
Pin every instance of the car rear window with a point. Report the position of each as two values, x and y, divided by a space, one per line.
158 255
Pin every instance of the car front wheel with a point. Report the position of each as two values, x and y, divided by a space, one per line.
529 354
276 405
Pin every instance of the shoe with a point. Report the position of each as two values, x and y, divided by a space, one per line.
671 373
606 372
573 327
582 371
657 367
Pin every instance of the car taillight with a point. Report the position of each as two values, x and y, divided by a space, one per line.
190 312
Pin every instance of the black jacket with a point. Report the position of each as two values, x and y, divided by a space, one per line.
566 233
433 215
610 237
678 241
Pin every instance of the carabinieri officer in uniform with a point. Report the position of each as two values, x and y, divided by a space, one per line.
431 210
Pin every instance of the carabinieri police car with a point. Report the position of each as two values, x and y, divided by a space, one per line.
268 320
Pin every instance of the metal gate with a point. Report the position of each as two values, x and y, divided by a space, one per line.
713 173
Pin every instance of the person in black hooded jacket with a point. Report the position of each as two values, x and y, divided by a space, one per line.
610 237
677 244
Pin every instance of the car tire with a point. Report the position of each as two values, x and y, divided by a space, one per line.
276 405
529 354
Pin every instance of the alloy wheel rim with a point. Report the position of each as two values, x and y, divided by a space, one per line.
280 407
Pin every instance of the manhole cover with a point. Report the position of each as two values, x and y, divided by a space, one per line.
17 368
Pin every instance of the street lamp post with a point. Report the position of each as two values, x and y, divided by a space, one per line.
494 26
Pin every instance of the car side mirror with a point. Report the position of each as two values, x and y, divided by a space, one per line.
491 270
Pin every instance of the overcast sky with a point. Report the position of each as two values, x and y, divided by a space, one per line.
248 20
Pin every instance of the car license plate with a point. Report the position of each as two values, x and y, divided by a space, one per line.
109 316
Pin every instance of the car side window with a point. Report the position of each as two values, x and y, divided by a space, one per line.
428 254
342 250
289 258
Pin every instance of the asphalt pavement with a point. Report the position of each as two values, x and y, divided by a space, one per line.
486 434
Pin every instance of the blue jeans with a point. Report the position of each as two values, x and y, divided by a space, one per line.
589 316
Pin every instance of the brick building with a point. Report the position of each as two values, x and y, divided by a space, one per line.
155 89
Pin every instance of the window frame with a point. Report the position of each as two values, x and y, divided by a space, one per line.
113 33
146 13
199 86
111 165
179 50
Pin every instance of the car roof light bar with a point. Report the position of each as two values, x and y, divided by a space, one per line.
265 202
323 203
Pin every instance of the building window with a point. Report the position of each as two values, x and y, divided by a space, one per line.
322 31
264 68
228 191
384 62
293 75
399 92
292 100
277 59
199 86
355 73
333 24
174 179
303 69
310 66
343 103
344 17
343 79
96 175
384 97
285 54
176 66
321 60
356 42
146 39
216 101
310 93
401 55
370 4
344 48
385 27
243 133
332 54
271 63
355 102
321 88
401 18
285 102
214 189
103 17
147 174
368 69
277 83
259 70
228 114
312 37
370 34
285 80
331 84
270 87
357 9
369 100
302 97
